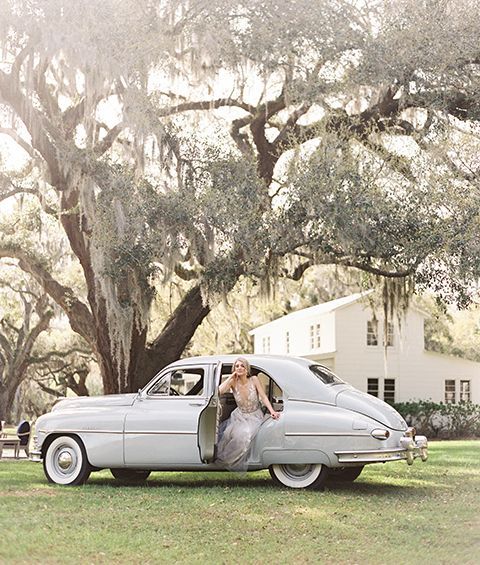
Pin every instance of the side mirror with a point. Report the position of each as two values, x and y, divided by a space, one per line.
139 394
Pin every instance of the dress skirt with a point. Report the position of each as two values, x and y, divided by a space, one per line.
236 434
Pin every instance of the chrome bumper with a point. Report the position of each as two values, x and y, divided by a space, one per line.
411 447
35 456
35 451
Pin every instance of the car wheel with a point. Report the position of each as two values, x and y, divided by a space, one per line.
299 475
130 475
65 462
345 474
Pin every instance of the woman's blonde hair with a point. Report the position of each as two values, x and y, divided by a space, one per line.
245 363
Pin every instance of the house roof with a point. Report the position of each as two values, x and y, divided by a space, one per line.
318 309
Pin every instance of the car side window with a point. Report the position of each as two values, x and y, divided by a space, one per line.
162 386
273 391
325 375
181 382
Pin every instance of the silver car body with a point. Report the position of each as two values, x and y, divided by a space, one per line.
327 423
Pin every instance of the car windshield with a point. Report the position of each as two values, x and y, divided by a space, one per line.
325 375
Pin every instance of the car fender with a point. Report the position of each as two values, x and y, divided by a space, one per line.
100 429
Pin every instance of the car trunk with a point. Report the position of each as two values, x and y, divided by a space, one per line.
372 407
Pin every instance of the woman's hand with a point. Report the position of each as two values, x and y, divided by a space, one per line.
275 415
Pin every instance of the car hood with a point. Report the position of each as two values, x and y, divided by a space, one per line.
372 407
95 401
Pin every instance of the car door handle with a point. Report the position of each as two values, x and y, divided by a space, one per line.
198 403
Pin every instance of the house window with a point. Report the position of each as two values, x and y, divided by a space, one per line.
266 344
372 332
465 391
389 391
389 334
315 336
449 391
372 387
287 342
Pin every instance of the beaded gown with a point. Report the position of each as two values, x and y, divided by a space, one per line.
238 431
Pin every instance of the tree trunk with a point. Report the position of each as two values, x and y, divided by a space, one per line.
173 339
7 397
4 404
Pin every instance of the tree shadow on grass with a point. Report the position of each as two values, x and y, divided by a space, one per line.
260 483
187 482
376 489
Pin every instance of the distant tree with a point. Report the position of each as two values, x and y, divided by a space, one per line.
227 138
453 332
228 325
25 315
437 328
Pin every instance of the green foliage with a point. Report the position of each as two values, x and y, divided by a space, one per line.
450 331
439 420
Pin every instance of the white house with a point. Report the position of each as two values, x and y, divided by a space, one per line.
345 335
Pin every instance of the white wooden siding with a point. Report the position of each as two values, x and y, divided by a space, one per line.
418 374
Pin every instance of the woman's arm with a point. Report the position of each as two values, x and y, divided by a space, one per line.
227 385
264 398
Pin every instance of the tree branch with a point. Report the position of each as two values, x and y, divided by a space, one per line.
60 354
22 358
205 105
5 194
290 123
15 191
298 272
49 390
7 348
18 140
72 117
104 145
35 123
78 313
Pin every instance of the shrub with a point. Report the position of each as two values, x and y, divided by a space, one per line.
439 420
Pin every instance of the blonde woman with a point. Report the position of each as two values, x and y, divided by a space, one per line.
239 430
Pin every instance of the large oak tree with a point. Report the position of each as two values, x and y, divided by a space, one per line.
218 139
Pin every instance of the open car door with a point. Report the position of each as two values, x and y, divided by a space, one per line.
208 420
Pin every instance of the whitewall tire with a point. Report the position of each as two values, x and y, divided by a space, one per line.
65 461
302 475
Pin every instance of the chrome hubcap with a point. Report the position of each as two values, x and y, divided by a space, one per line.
65 460
297 471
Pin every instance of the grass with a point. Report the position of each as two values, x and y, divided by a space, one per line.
392 514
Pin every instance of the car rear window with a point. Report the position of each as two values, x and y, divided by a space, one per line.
325 375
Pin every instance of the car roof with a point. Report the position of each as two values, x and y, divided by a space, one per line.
250 357
290 373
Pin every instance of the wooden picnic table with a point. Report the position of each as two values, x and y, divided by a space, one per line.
13 442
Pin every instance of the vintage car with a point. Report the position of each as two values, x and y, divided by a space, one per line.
326 427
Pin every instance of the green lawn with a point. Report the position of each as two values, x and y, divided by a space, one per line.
392 514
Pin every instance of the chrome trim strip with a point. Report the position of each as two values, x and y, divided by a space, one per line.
311 401
394 457
167 432
139 432
328 434
372 451
84 431
152 396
